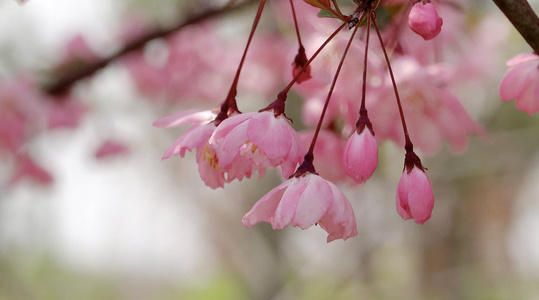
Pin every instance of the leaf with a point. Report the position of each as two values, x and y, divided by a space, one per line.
323 4
323 13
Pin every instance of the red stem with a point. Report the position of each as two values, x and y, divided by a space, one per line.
322 115
408 143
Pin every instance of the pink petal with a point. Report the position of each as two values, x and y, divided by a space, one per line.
110 148
192 116
270 135
287 208
313 202
264 209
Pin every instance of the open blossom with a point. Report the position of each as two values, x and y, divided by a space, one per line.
360 157
522 82
260 137
424 20
197 137
303 202
433 113
414 195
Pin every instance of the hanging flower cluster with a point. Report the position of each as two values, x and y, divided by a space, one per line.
232 145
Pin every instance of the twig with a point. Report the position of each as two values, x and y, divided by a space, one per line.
64 81
523 18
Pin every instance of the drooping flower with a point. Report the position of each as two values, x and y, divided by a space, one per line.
260 137
305 201
196 137
521 82
415 199
360 157
424 20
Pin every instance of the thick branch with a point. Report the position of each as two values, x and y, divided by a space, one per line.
523 18
64 81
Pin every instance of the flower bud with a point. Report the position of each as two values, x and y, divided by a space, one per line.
414 195
424 20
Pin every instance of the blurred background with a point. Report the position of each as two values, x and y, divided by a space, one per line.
131 226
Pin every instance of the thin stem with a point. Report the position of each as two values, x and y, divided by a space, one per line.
296 23
230 102
322 115
251 34
408 143
523 18
363 109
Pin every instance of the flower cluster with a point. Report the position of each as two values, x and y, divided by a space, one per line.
232 145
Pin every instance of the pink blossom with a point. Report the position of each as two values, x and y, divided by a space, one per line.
433 114
265 140
196 137
65 113
424 20
414 195
360 157
110 148
521 82
26 167
303 202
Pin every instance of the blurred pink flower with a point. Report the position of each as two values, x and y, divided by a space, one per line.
110 148
360 157
424 20
328 149
25 167
433 114
303 202
521 82
263 139
65 113
414 195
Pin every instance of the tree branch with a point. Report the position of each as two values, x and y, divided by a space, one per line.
523 18
64 81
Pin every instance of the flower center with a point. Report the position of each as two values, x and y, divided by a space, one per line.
209 156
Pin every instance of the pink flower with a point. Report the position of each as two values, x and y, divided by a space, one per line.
260 137
424 20
26 167
522 82
303 202
196 137
414 195
433 114
360 157
110 148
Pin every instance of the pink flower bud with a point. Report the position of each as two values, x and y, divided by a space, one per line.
424 20
414 195
360 157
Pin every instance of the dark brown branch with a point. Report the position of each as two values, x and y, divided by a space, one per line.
523 18
64 81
